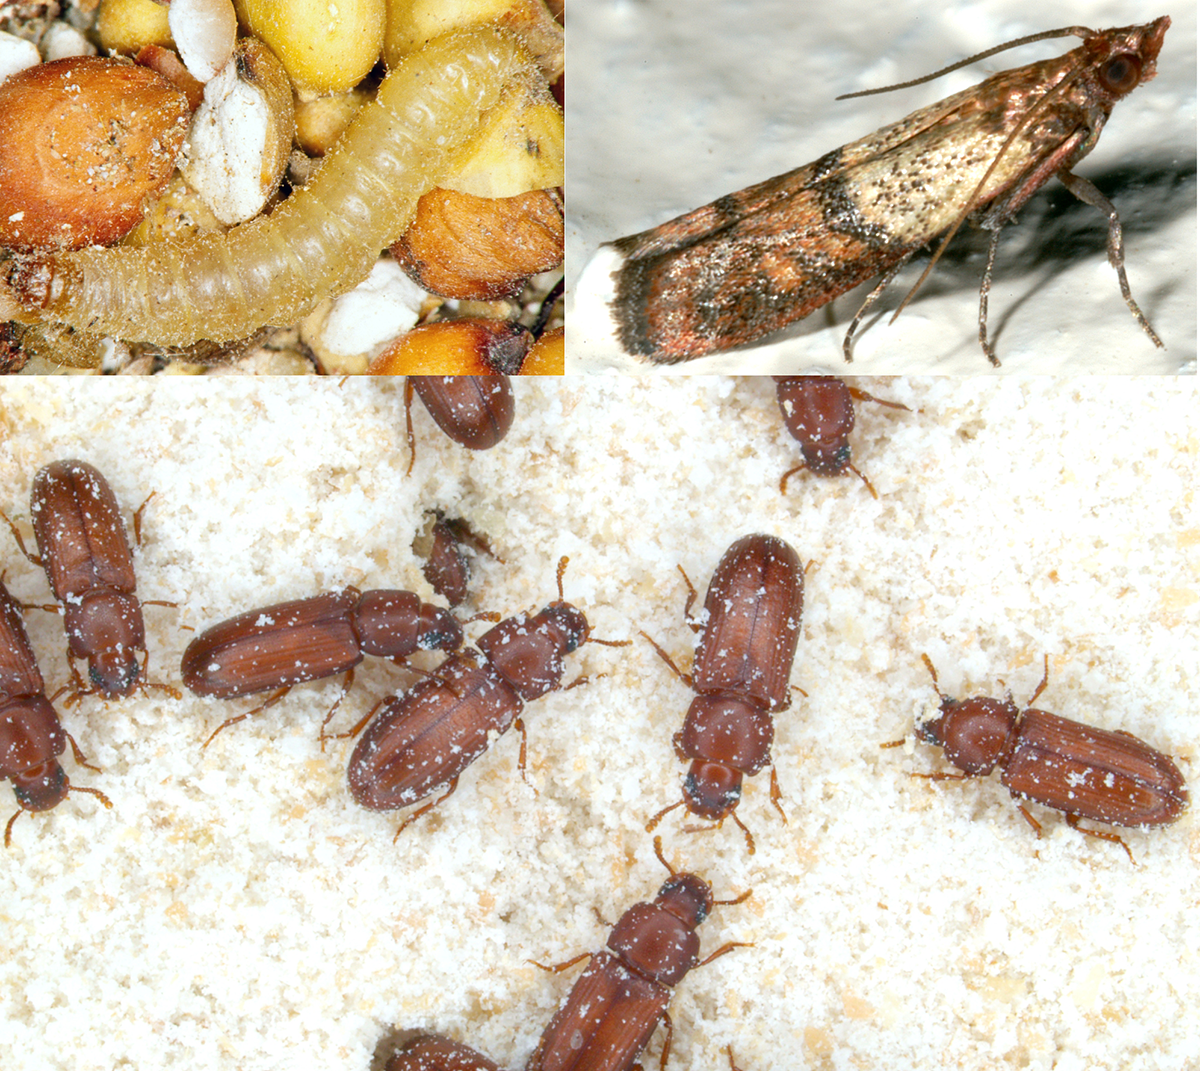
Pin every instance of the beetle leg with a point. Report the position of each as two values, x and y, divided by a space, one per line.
1045 679
412 442
361 724
1037 826
520 726
32 557
577 682
1099 834
347 684
79 757
863 396
787 475
669 661
428 807
776 795
666 1052
242 717
728 947
558 968
137 518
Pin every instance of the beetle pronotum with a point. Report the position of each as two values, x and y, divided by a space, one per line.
320 242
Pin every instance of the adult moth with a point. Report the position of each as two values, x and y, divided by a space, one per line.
320 242
753 261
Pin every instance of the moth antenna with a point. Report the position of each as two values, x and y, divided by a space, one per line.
1067 31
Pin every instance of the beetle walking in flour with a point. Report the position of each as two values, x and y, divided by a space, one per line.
1103 776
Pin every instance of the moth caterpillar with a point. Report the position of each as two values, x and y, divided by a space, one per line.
320 242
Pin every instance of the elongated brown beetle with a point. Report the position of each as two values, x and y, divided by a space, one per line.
431 1052
308 639
85 552
819 413
741 672
475 411
1103 776
426 738
622 996
31 736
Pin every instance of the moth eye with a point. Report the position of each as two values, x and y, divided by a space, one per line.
1121 73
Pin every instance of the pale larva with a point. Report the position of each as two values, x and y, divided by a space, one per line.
318 243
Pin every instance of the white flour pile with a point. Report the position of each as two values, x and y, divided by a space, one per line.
236 911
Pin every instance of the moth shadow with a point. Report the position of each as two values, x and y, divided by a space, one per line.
1056 230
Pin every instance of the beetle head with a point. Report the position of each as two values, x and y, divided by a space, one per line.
114 671
687 897
570 621
42 787
826 458
712 790
439 630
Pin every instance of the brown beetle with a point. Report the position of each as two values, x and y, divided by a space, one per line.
31 736
308 639
819 413
431 1052
741 672
427 737
446 566
616 1004
1103 776
475 411
86 555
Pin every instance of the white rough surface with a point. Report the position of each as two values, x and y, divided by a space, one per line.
16 54
61 40
364 320
235 911
674 104
226 146
204 31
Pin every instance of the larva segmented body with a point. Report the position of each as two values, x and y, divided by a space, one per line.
321 241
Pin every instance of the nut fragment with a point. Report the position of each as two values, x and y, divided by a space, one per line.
84 144
128 25
548 356
326 47
460 246
456 348
239 141
521 150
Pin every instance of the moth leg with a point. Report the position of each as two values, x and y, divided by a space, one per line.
989 350
872 297
1088 193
